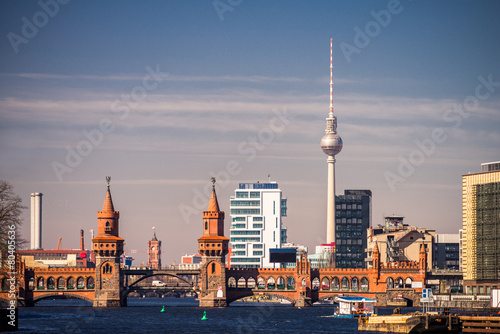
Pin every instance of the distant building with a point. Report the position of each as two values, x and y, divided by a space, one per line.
481 226
257 210
56 258
447 252
397 241
192 261
154 253
353 218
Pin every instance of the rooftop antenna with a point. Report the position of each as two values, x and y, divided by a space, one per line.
269 177
331 77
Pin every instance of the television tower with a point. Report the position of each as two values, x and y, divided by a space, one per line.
331 144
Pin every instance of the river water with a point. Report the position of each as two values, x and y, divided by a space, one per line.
182 315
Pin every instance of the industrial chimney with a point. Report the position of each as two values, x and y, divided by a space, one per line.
36 220
82 244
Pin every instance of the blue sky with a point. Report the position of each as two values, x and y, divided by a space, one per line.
223 83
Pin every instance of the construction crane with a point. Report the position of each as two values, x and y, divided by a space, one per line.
59 243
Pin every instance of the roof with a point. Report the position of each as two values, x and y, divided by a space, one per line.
355 299
213 205
108 202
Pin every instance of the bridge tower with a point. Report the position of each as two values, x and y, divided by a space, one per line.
107 248
213 247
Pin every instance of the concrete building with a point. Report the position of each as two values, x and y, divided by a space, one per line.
36 221
257 210
481 229
447 252
353 218
397 241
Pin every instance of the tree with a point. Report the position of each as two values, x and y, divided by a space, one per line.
10 219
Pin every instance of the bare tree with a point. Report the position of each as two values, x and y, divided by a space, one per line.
10 219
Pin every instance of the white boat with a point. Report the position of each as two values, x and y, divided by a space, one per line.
350 307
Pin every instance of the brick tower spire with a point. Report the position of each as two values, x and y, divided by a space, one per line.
213 247
108 247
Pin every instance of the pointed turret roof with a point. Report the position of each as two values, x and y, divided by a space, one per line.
375 248
422 249
213 205
108 202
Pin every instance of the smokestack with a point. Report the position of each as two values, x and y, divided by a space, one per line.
82 246
36 221
92 234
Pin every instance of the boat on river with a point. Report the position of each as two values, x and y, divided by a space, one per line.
350 307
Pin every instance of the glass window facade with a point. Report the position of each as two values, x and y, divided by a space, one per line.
353 218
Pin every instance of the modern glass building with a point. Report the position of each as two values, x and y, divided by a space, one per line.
353 218
481 229
257 210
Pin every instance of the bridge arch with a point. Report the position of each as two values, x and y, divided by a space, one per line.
70 295
244 294
344 284
159 274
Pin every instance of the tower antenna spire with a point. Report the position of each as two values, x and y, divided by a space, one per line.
331 77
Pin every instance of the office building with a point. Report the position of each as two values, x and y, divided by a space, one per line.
447 252
353 218
481 229
397 242
257 210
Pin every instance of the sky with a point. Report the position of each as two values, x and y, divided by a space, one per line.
162 95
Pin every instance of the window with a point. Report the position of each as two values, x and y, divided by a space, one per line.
245 211
257 253
239 226
245 203
239 239
274 236
257 225
276 222
240 253
239 219
240 246
213 268
258 246
242 194
257 219
245 232
206 225
274 207
254 194
108 227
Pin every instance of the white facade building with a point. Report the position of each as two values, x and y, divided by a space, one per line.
256 224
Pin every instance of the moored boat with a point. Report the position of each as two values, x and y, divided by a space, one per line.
350 307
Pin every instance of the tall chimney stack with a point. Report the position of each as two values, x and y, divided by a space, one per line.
82 246
36 221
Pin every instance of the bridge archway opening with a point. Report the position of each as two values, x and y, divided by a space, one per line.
262 294
290 283
158 275
408 282
315 283
354 284
66 296
251 284
242 283
231 283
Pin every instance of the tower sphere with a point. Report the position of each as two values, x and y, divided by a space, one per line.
331 144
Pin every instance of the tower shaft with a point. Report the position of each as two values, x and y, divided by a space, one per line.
330 214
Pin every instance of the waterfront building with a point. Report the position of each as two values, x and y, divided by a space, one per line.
481 229
447 252
154 253
397 242
353 218
56 258
257 210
